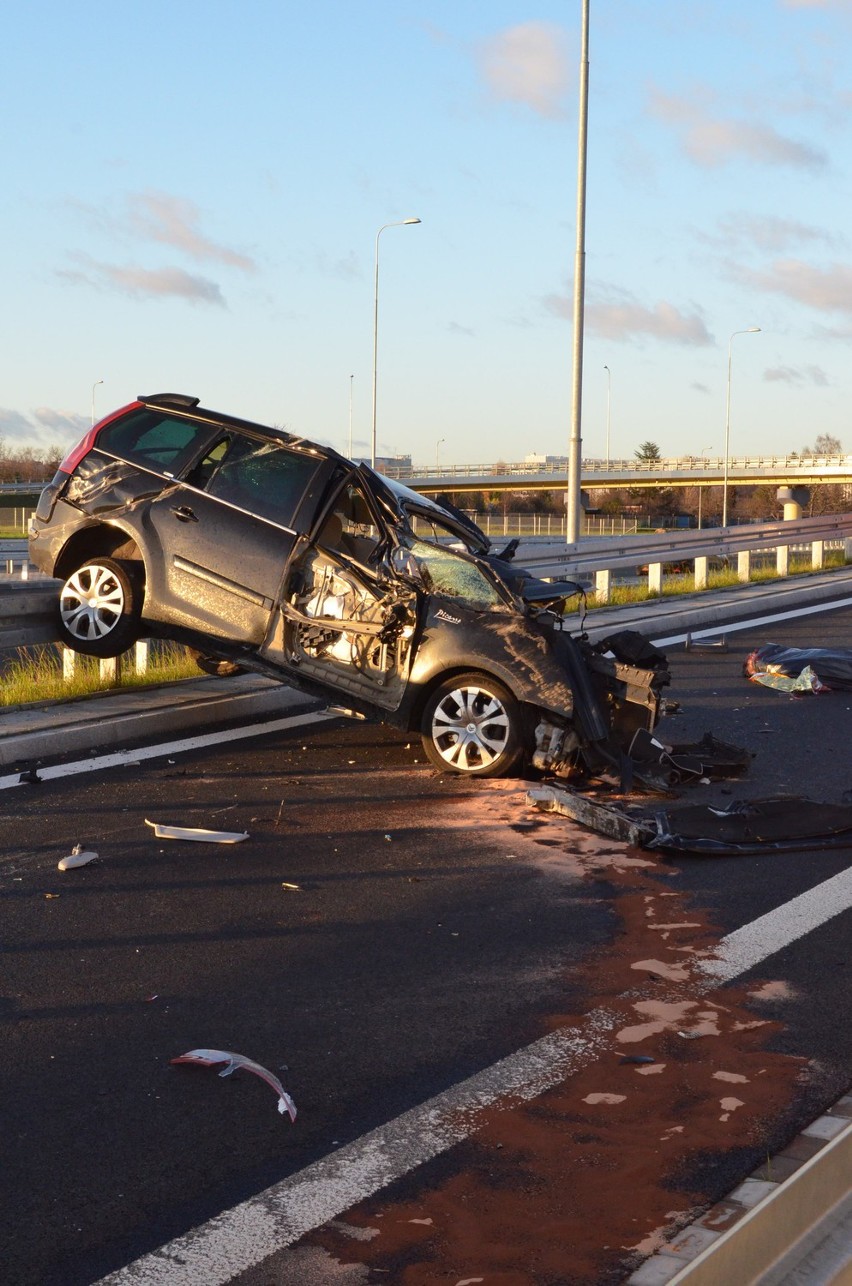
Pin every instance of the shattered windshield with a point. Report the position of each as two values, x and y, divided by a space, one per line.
456 577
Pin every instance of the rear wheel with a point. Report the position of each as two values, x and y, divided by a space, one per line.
99 608
473 725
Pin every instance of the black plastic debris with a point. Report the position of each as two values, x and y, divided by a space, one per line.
831 666
662 765
783 824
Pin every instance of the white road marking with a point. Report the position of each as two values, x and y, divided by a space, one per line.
243 1237
121 758
753 622
755 942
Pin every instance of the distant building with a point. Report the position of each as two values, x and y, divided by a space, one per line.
556 461
395 465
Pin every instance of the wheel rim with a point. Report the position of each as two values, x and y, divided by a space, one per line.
470 728
91 603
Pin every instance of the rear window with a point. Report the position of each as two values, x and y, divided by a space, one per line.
153 439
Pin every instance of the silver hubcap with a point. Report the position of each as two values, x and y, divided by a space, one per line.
91 603
470 728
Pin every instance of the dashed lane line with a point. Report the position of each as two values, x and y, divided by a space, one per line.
241 1238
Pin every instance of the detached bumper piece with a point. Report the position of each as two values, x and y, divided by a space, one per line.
664 766
781 825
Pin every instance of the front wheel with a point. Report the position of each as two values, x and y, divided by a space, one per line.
473 725
99 608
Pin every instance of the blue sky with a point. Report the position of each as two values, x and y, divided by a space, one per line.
192 194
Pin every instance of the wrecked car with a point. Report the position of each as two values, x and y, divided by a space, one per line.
266 552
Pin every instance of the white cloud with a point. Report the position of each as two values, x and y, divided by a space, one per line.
713 140
825 289
771 233
151 283
174 221
45 428
528 64
624 318
796 375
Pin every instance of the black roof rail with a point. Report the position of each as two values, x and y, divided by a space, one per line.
168 399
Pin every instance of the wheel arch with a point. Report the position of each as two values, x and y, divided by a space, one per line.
99 540
425 689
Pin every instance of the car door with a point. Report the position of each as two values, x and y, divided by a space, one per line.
224 532
346 622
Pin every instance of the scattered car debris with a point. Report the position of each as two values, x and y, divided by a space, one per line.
705 645
198 833
780 824
77 857
30 777
295 888
230 1062
637 1058
830 667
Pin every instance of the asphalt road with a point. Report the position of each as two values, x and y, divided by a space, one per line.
426 940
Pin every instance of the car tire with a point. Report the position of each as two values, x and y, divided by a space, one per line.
215 664
473 725
99 608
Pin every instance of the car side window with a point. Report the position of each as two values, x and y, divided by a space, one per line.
152 439
265 478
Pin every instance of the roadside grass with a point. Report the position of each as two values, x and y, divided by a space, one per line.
35 674
12 533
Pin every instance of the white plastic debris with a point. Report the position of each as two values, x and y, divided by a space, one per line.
230 1062
196 833
78 856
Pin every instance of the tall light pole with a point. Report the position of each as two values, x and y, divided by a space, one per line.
94 386
575 459
608 409
701 489
438 449
401 223
752 330
351 378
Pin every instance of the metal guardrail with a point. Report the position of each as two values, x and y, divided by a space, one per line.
27 611
610 553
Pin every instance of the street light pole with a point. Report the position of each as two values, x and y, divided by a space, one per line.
752 330
437 450
608 409
575 459
351 378
399 224
94 386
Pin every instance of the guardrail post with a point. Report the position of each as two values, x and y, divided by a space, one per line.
817 555
701 566
69 663
782 560
603 586
655 578
110 670
744 565
140 657
847 549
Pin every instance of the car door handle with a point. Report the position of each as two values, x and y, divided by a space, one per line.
183 513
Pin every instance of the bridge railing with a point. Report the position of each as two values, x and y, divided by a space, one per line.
839 465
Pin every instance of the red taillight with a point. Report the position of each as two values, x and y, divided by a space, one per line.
84 446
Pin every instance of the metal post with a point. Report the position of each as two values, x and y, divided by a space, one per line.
752 330
399 224
575 448
608 409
